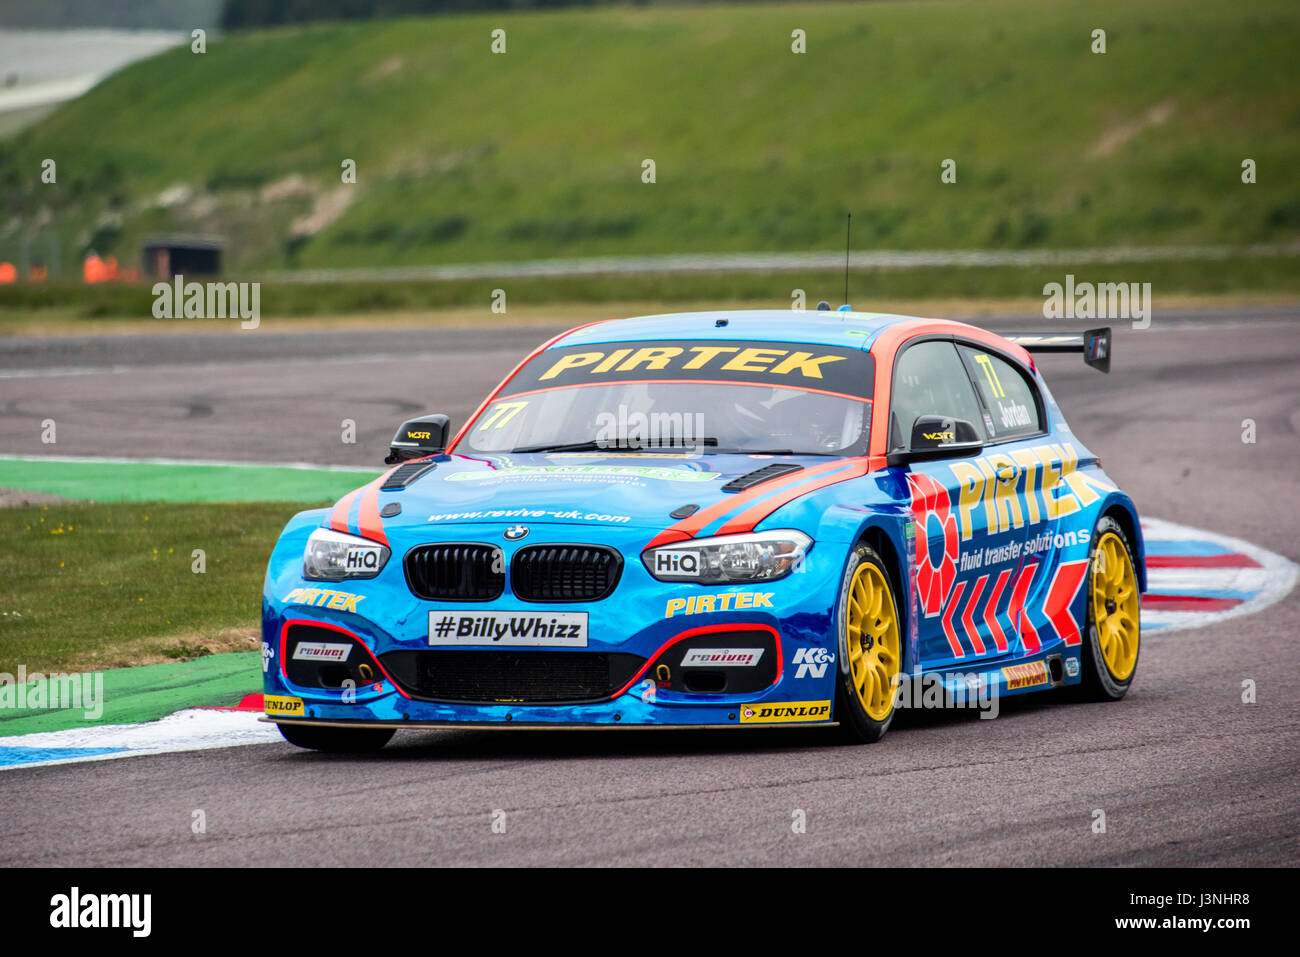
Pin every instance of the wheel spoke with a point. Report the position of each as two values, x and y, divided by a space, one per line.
882 680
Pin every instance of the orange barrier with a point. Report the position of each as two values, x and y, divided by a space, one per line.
95 269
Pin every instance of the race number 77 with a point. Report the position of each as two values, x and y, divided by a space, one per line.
991 374
502 413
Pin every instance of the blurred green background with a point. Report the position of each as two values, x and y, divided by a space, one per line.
463 155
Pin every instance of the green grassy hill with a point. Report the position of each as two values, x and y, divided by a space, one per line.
462 155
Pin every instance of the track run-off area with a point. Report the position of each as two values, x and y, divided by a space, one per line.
1187 770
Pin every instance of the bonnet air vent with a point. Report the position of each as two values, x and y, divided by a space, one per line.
406 474
766 473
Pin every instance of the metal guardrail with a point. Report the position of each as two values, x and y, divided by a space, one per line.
779 262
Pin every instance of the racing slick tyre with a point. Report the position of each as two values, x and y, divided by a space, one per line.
870 648
1114 627
336 740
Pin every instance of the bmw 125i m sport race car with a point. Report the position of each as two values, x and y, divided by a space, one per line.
706 520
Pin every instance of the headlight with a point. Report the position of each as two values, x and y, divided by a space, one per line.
762 556
333 556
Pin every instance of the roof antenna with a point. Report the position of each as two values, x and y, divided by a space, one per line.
848 233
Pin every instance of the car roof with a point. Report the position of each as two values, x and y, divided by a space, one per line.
815 327
855 329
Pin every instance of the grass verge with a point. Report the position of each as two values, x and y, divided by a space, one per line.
89 587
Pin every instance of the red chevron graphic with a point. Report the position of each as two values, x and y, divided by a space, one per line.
972 632
991 612
953 642
1016 610
1060 596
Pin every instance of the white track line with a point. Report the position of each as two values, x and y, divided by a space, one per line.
196 729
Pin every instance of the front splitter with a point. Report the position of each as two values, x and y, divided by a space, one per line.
544 725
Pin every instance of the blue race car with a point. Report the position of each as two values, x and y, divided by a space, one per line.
713 520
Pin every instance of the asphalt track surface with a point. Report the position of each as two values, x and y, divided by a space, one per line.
1186 773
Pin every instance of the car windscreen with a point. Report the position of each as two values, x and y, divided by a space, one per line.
755 397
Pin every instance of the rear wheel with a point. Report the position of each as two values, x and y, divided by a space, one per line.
871 641
316 737
1114 614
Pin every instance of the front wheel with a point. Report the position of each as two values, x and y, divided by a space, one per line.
870 636
1114 614
317 737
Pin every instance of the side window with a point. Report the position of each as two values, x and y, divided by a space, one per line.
1011 399
929 379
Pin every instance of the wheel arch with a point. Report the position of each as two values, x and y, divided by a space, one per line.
1122 510
879 537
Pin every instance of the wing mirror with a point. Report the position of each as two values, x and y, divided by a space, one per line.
416 438
938 437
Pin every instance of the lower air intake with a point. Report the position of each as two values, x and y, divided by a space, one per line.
501 676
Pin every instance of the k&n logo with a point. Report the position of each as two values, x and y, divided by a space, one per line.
812 662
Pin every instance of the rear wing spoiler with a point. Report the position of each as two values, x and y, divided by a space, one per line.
1093 343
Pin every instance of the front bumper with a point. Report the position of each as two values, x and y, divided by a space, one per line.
644 621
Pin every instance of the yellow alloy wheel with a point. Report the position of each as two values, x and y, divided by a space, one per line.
1114 596
873 640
